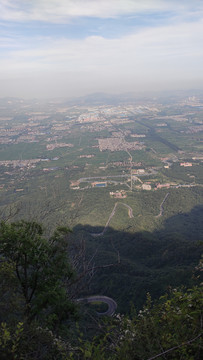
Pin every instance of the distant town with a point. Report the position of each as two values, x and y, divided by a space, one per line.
118 149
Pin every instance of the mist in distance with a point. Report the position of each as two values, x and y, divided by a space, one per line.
73 48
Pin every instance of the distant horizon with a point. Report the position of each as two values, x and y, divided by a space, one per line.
71 48
135 94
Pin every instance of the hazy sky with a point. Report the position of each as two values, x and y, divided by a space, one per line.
75 47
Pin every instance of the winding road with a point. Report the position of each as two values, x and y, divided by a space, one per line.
105 299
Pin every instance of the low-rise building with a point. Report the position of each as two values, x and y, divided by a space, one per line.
186 164
146 187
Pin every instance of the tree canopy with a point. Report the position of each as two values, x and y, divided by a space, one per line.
36 276
40 269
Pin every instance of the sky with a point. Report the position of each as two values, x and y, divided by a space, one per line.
68 48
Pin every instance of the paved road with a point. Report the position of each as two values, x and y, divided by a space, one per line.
100 178
107 300
130 210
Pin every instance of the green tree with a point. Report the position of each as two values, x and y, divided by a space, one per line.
40 269
171 329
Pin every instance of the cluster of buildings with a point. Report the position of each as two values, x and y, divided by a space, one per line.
186 164
20 163
138 135
90 117
194 129
117 144
119 194
86 156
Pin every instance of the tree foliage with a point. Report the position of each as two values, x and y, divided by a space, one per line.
40 269
36 277
171 329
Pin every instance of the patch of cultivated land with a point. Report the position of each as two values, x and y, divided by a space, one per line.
133 174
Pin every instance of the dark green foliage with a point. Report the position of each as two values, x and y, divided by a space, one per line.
40 269
173 323
171 329
148 261
35 305
31 343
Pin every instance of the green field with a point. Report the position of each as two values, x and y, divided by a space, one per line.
158 241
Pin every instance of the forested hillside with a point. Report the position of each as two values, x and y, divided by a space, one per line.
41 318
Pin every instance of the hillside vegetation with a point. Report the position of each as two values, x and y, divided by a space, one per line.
41 319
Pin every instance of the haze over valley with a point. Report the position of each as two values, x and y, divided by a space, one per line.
101 179
125 166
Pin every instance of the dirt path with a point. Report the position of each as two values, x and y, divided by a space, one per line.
161 206
130 214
